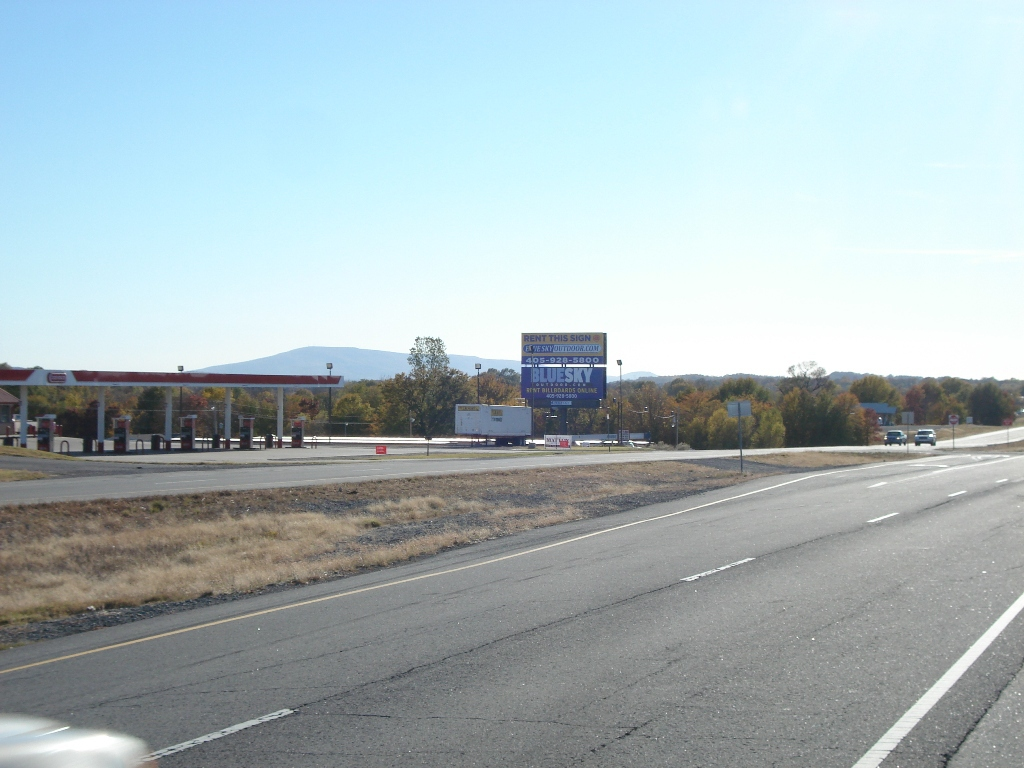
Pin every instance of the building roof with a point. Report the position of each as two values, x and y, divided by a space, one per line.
6 398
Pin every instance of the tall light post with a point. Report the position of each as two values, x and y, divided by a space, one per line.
181 395
477 366
620 400
330 366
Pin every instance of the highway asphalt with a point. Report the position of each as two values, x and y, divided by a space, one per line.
150 474
121 479
792 621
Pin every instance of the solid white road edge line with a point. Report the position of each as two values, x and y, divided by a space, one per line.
884 517
716 570
958 493
1004 480
879 485
874 756
215 735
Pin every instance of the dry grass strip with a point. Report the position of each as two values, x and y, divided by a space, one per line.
62 558
819 459
10 475
31 453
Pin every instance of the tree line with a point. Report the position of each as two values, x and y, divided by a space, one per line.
803 408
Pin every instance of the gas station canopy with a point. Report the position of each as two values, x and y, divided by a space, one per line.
39 377
36 377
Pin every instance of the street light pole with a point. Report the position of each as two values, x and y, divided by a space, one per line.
477 366
620 400
181 395
330 366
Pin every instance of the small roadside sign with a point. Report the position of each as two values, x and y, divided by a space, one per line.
382 450
738 408
954 419
1007 422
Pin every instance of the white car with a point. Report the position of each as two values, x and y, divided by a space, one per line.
924 436
33 742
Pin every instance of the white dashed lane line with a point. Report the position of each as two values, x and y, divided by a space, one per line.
173 750
884 517
958 493
879 485
1004 480
716 570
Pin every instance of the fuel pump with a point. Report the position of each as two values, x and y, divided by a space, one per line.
188 432
298 431
45 428
122 433
245 428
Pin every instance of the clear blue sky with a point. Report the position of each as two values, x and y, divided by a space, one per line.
721 187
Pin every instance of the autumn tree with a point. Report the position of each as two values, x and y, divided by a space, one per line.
744 388
428 393
808 376
500 387
876 389
989 404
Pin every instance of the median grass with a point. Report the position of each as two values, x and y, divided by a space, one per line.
31 453
820 459
64 558
10 475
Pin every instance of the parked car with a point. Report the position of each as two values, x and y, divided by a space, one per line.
924 436
895 437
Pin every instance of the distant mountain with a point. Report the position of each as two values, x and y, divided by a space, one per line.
351 362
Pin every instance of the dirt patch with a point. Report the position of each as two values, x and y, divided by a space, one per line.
69 566
827 459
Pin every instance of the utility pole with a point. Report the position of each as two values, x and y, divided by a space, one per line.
477 366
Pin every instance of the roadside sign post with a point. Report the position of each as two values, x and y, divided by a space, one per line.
1007 423
737 410
953 421
907 417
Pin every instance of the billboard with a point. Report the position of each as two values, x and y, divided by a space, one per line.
564 348
578 387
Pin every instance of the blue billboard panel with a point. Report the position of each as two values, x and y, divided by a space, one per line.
577 387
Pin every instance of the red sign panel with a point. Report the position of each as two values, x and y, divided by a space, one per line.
1007 422
56 377
954 419
382 450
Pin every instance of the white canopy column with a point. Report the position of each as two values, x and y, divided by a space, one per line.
23 429
227 418
101 418
280 417
168 412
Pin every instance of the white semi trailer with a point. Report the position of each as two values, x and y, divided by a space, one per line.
504 424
